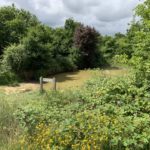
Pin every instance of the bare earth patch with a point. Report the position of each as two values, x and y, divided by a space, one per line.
23 87
65 80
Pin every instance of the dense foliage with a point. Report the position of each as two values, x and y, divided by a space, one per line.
117 45
30 49
86 39
32 55
141 41
106 113
14 25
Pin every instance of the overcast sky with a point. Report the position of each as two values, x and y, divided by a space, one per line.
107 16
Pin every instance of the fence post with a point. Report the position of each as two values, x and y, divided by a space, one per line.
54 84
41 84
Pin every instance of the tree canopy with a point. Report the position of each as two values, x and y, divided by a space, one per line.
14 25
28 47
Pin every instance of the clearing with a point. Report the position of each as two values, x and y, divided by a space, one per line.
65 80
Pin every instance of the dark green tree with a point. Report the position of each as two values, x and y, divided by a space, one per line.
62 46
32 57
108 47
14 24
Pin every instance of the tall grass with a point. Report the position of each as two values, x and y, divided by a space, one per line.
9 126
9 129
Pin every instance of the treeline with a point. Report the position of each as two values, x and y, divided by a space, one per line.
29 48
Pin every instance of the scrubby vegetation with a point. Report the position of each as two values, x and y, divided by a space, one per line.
107 113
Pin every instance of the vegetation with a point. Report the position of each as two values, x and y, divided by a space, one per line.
85 40
40 50
106 113
14 25
111 113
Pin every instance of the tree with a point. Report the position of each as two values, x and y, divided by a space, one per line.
14 24
142 36
69 29
108 47
32 57
140 31
85 40
62 46
121 45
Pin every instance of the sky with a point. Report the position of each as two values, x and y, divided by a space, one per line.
107 16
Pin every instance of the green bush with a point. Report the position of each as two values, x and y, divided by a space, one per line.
31 58
92 130
14 58
7 77
108 113
120 59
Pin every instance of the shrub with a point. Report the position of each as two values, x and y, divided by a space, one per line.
14 58
108 113
142 70
121 59
31 58
92 130
7 77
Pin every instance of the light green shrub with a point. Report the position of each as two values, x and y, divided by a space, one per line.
108 113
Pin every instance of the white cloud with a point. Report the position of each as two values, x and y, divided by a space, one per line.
3 2
107 16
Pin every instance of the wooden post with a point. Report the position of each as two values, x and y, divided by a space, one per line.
54 84
41 84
